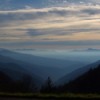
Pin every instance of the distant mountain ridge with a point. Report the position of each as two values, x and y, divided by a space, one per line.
88 50
42 66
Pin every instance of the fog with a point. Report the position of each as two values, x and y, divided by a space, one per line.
82 56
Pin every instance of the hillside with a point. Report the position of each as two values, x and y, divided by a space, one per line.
76 73
24 84
86 83
16 69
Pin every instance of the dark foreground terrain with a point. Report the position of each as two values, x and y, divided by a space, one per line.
47 99
67 96
18 99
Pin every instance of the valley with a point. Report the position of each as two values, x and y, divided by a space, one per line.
49 49
16 69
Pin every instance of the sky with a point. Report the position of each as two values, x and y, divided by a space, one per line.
50 24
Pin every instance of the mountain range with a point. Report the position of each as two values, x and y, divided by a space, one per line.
41 66
16 68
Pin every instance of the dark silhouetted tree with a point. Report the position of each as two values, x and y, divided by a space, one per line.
48 86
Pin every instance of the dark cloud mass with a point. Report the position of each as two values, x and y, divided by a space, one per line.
34 32
91 11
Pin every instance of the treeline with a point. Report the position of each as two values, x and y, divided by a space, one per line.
24 85
86 83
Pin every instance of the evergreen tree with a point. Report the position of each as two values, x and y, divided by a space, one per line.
48 86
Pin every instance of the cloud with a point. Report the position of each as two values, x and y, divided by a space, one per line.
34 32
75 23
91 11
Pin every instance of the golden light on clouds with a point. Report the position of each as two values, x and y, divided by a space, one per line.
75 23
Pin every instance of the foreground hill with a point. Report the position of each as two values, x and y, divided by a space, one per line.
16 70
23 84
73 75
86 83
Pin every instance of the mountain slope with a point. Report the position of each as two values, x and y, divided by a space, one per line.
22 85
86 83
17 69
71 76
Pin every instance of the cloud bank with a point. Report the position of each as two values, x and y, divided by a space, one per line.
52 25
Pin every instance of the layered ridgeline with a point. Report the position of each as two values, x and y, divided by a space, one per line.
89 82
19 71
44 67
27 73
